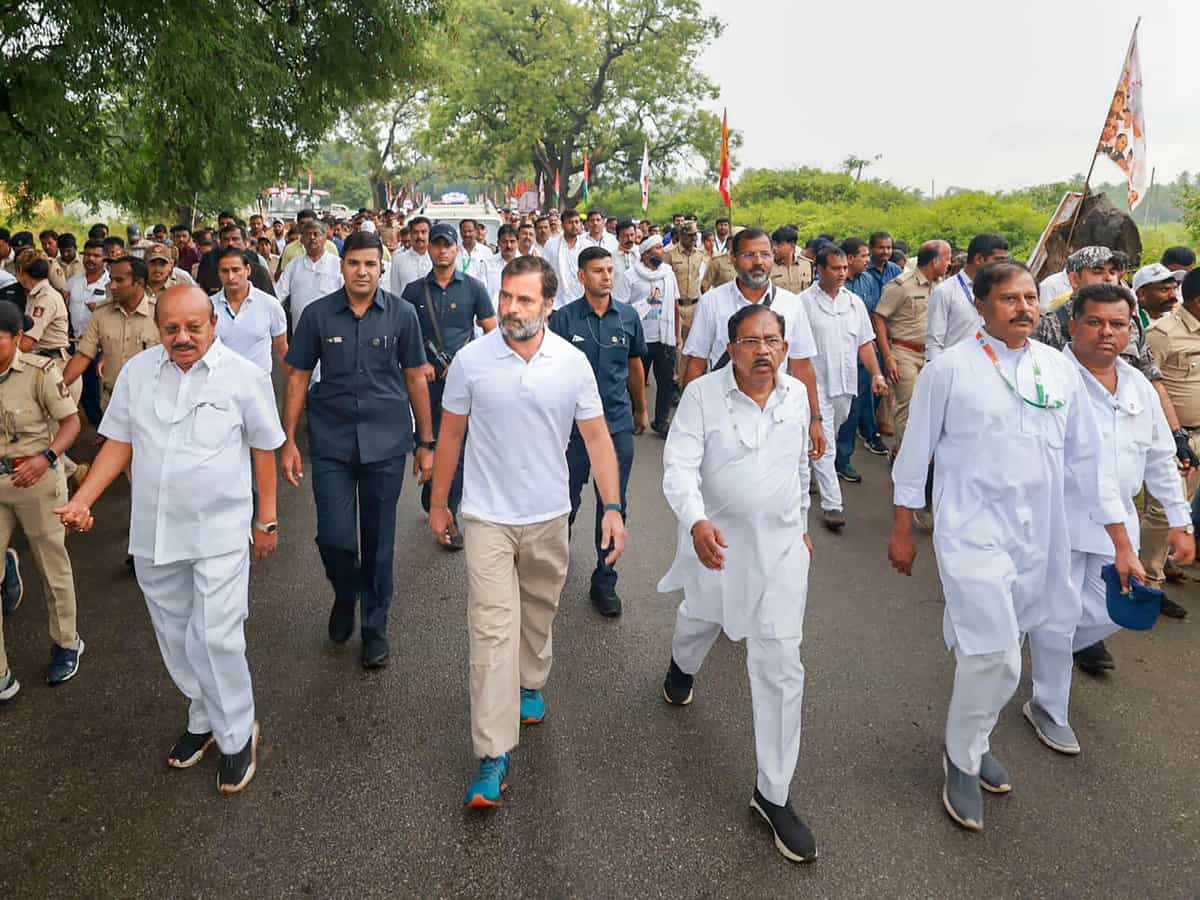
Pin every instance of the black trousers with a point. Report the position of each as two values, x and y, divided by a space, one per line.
661 360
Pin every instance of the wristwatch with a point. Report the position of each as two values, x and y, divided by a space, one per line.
267 527
51 456
428 445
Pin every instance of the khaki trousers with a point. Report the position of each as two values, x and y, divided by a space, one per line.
515 574
910 365
32 508
687 315
1154 524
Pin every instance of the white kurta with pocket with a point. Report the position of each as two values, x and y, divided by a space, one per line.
1002 533
745 469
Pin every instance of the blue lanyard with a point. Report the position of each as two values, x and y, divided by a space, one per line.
966 286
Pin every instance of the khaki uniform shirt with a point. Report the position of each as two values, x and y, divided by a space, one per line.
1175 341
121 336
796 277
61 273
51 322
719 272
904 304
177 277
33 399
689 268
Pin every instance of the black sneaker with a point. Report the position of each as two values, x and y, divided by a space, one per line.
341 624
876 445
660 428
1171 609
792 837
236 769
848 473
607 603
375 652
189 749
1094 659
677 686
834 519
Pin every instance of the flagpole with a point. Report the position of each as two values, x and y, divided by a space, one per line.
1088 180
1146 219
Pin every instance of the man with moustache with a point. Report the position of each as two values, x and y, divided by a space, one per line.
193 412
414 263
562 252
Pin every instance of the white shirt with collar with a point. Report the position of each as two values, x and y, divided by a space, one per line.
951 317
305 280
840 325
745 469
83 298
607 241
1053 287
521 415
250 332
192 433
491 277
1136 445
408 267
476 261
709 335
564 259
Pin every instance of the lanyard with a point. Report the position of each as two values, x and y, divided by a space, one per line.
1042 401
965 285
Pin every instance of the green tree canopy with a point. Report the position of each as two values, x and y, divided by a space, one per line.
534 84
152 104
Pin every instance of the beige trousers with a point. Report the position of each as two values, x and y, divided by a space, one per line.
32 509
687 315
910 364
1155 548
515 574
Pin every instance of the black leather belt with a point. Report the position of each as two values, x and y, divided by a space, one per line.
50 354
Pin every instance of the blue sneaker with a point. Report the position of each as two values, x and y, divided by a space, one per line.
489 784
533 707
64 664
9 686
12 589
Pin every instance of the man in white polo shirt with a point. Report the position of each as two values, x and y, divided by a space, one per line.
705 347
316 274
249 321
521 387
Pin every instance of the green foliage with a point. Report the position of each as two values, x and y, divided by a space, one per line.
1187 198
152 105
534 84
1156 239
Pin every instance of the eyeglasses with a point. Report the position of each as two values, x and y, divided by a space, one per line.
750 257
774 342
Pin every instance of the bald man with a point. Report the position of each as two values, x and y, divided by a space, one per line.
192 412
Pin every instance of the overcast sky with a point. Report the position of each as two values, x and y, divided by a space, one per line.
982 95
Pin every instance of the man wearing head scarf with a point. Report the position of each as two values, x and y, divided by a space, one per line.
651 288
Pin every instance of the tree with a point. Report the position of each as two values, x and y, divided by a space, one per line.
534 84
386 130
854 165
151 105
1187 198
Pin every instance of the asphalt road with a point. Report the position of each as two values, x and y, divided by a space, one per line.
617 795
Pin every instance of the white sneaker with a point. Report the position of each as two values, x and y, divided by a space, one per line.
9 686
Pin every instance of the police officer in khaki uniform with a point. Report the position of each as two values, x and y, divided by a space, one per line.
719 271
689 263
1175 342
788 272
900 327
163 272
66 265
38 423
121 329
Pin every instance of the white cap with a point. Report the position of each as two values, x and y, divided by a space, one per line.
1153 274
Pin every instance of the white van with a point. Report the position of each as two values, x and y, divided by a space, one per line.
453 213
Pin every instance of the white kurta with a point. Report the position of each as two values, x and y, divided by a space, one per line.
564 259
653 293
951 317
756 495
840 325
1002 535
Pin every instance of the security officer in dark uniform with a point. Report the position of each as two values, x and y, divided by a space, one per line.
610 334
449 304
368 343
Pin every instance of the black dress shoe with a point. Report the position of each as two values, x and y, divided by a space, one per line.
1171 609
189 749
607 603
236 769
375 652
792 837
1094 659
660 428
341 624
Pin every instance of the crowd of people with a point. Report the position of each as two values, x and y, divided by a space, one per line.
1041 432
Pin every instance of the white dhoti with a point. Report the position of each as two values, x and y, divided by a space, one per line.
983 683
776 693
834 413
198 608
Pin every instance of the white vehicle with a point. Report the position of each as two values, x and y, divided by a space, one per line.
453 213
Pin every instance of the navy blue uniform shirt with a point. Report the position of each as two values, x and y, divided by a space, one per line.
361 404
458 305
608 343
